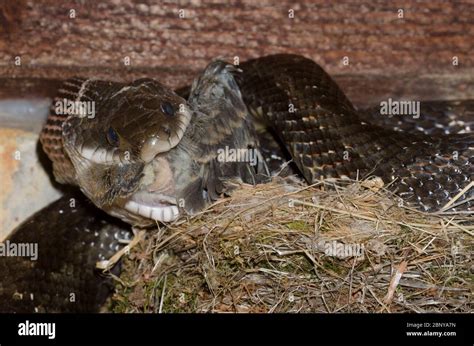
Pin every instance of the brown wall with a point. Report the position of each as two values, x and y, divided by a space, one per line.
388 56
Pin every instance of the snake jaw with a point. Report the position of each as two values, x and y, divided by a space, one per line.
155 200
163 213
137 194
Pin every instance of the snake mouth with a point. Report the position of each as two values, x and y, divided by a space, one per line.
156 199
159 212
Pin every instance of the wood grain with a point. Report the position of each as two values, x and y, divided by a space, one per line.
387 54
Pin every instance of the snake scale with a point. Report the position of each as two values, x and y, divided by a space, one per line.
149 155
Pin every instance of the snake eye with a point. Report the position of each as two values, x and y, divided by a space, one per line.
167 108
113 137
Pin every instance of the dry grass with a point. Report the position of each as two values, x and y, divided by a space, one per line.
286 247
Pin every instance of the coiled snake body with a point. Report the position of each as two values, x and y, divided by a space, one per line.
149 155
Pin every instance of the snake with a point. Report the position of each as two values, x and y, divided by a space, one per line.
147 154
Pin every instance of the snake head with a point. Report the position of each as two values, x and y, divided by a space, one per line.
117 150
135 122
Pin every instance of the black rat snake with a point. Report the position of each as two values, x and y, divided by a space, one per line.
146 154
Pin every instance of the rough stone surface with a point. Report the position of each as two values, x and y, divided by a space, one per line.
26 187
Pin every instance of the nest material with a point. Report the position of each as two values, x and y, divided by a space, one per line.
286 247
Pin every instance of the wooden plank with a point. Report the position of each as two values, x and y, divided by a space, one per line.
363 90
152 34
388 56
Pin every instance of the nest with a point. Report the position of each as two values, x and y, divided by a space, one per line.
286 247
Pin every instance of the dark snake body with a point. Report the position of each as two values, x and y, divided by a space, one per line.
310 119
327 137
71 236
